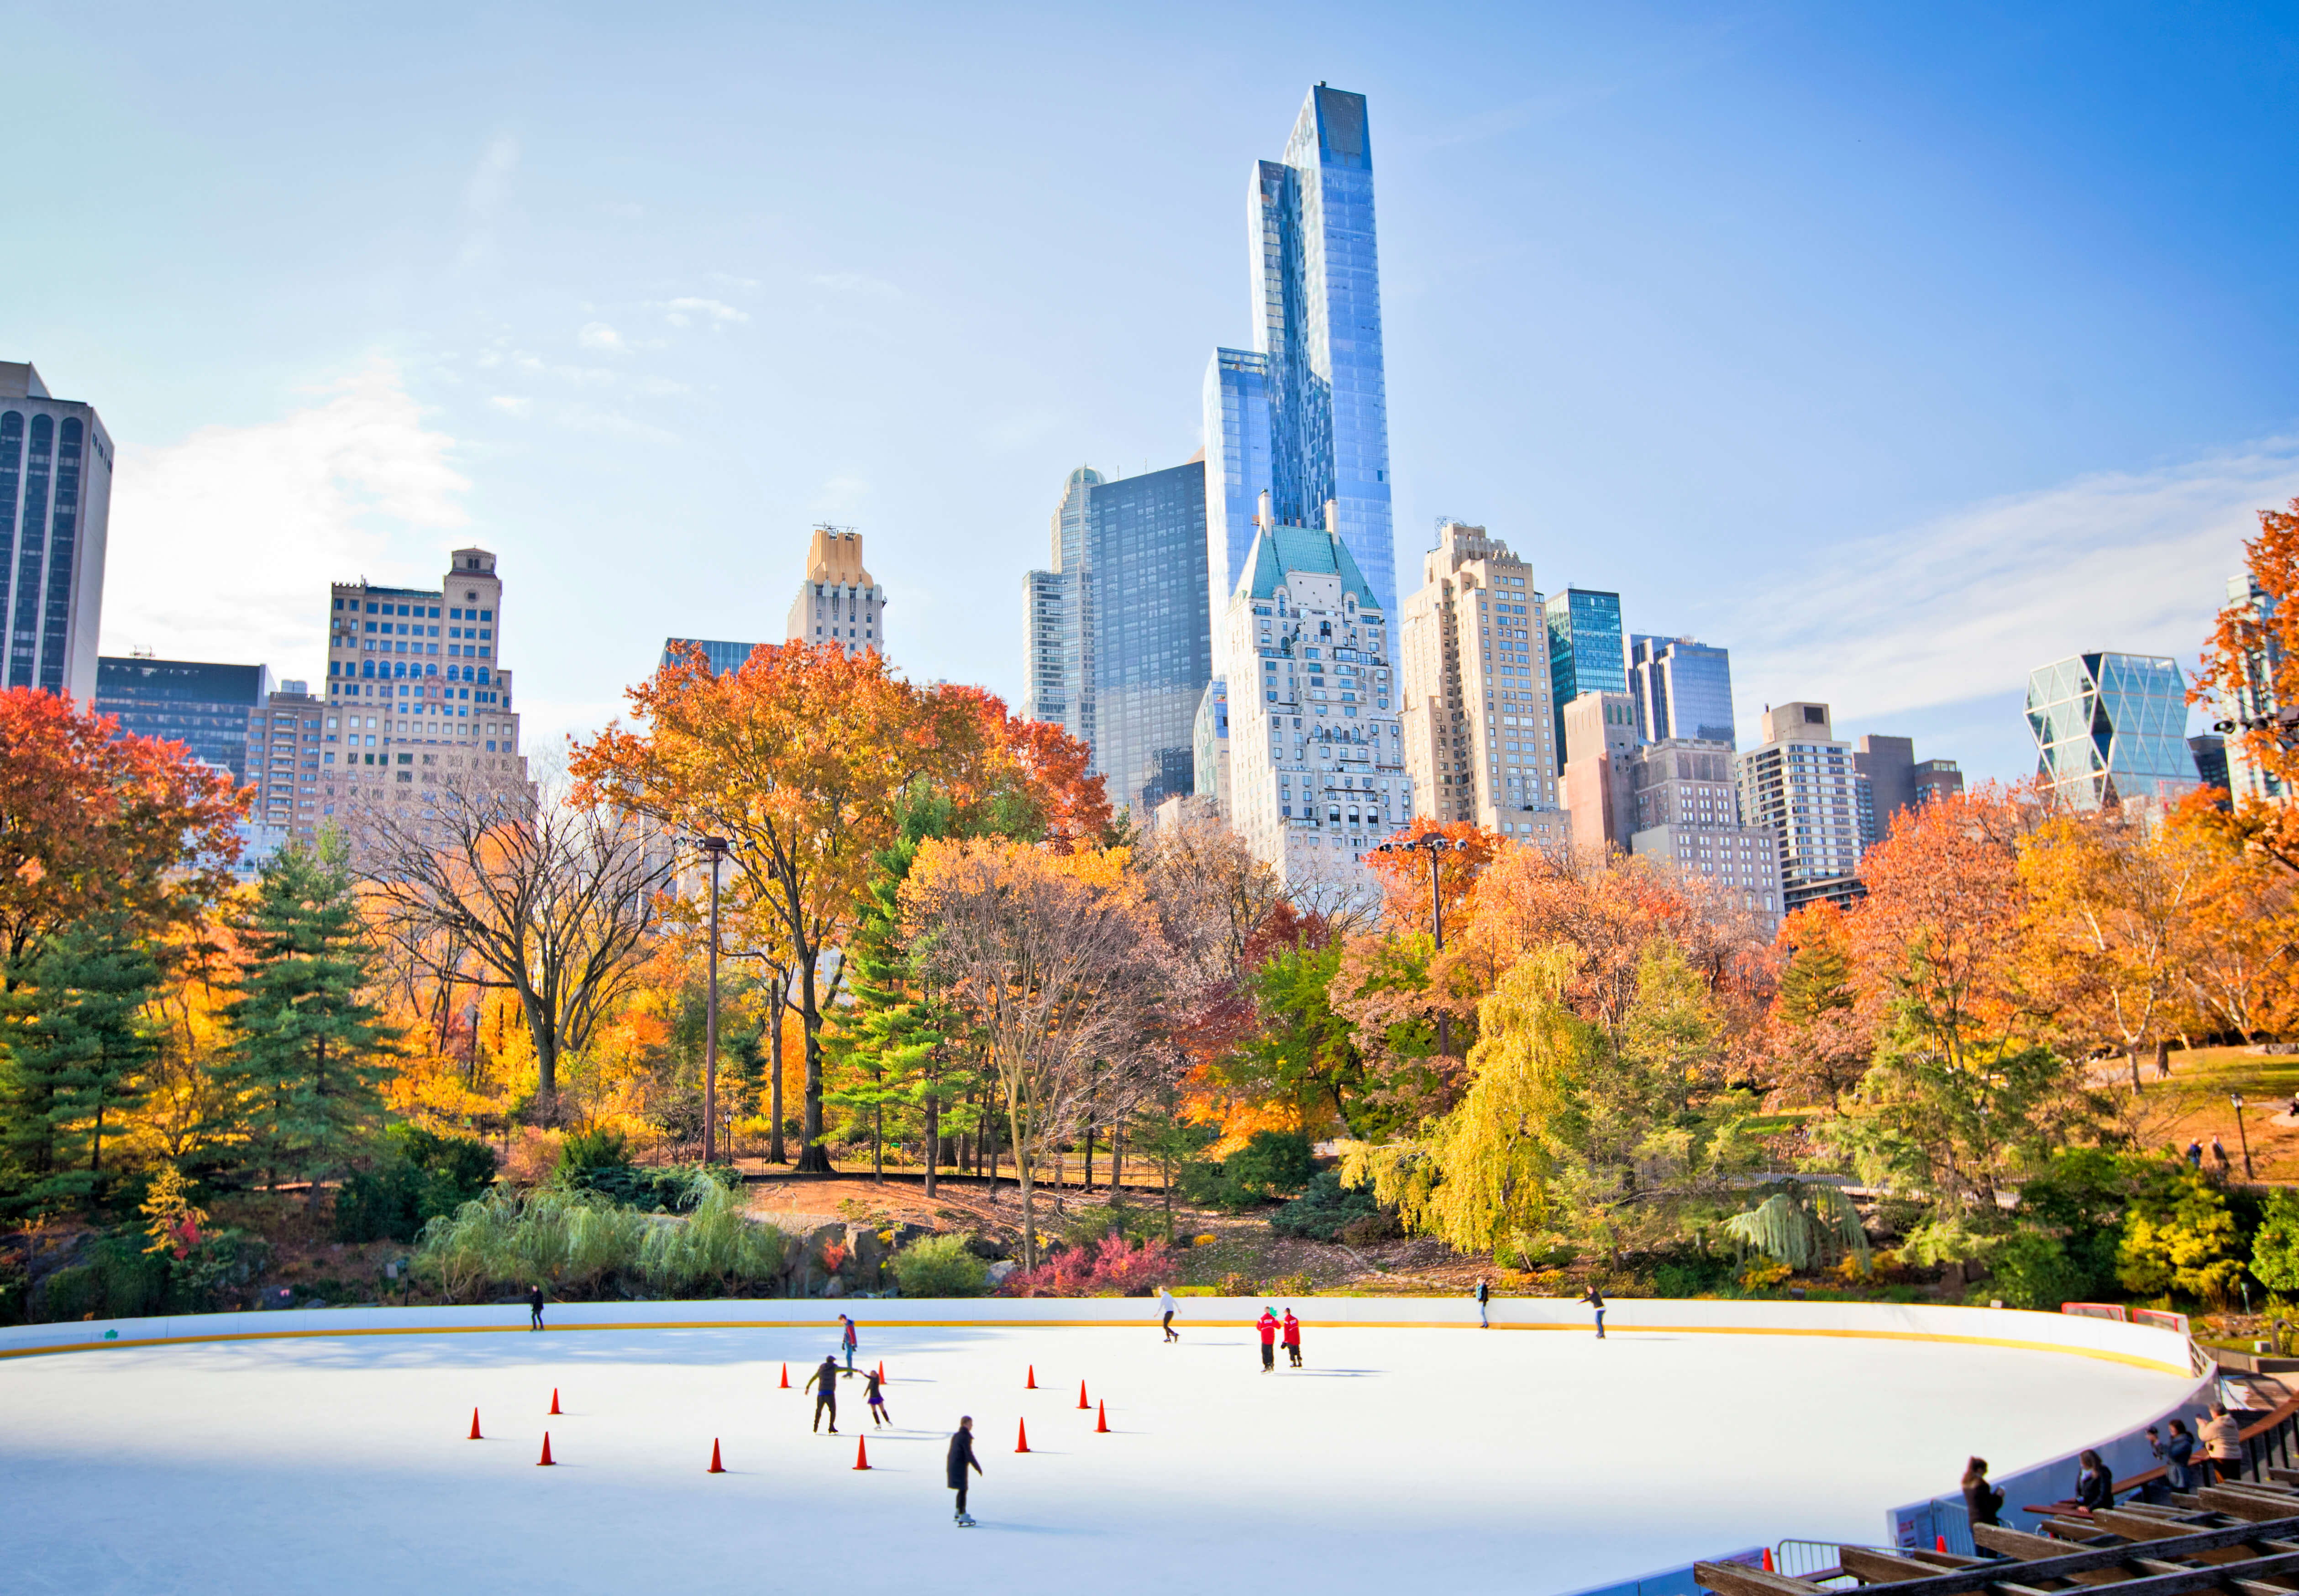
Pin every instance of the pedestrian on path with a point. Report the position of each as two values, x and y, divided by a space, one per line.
1165 1308
961 1459
849 1339
1484 1294
1267 1324
534 1307
2222 1440
1292 1338
2219 1157
1981 1500
1596 1300
2196 1155
823 1383
870 1393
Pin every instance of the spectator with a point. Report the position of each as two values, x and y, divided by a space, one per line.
2195 1154
1981 1500
2222 1440
2176 1449
2094 1485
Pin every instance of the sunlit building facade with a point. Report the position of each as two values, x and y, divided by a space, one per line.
2111 728
1586 651
55 503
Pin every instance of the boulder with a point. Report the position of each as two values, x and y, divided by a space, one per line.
997 1272
833 1288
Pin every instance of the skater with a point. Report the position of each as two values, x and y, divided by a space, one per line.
849 1340
534 1307
1596 1300
1267 1324
1292 1338
1484 1294
871 1380
961 1459
1165 1308
823 1383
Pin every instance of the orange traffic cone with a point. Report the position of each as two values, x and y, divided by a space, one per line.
475 1424
544 1460
554 1400
715 1466
1939 1542
1101 1418
882 1371
1082 1403
861 1453
1768 1560
1031 1383
785 1377
1022 1443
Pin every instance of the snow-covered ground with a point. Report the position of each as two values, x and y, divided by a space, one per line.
1399 1461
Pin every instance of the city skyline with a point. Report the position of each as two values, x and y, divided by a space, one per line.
2011 450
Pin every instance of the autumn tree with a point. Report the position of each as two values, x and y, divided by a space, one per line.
2250 667
2241 951
95 823
801 759
1815 1042
504 887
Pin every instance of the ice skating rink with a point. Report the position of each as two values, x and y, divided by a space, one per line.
1400 1459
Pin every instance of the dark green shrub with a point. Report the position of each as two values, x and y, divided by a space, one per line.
940 1266
117 1282
423 1176
1690 1277
1324 1209
2035 1270
598 1148
1273 1164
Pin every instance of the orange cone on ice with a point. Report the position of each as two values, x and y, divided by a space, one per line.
1101 1418
1022 1440
475 1424
555 1402
785 1377
861 1452
882 1371
715 1466
1031 1383
1768 1560
544 1460
1082 1403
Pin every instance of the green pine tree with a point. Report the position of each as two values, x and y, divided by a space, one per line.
310 1053
77 1044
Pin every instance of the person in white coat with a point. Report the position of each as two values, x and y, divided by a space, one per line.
1165 1309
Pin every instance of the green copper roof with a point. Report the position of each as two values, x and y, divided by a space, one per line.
1281 550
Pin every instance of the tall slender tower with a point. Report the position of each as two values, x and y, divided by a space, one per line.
55 502
1304 415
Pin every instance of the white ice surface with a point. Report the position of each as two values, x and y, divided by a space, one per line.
1399 1461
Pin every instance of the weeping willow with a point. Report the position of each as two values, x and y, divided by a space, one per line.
1487 1169
1800 1224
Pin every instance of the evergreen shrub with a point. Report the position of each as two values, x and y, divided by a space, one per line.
940 1266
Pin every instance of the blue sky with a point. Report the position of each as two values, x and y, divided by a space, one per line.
1897 349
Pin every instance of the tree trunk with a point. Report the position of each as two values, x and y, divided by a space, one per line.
779 990
813 1158
2132 1054
933 1141
878 1143
1022 1181
2163 1057
1089 1160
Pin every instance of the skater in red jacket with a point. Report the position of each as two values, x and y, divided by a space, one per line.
1267 1324
1292 1338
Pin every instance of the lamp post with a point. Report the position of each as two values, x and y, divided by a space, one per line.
716 848
2242 1135
1433 843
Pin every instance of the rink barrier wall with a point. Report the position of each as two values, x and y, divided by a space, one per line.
2138 1346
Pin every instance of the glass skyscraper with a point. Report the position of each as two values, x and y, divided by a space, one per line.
1304 415
2111 728
206 708
1585 652
1681 688
55 500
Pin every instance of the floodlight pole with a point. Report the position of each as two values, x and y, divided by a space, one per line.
1434 844
716 848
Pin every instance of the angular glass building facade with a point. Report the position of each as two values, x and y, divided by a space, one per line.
2111 728
1148 632
1585 650
1682 689
1304 415
207 708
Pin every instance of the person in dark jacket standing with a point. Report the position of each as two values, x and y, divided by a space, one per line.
1596 1300
534 1307
823 1383
1981 1500
1483 1294
1267 1324
2094 1485
961 1459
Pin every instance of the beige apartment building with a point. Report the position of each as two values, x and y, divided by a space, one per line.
838 602
1600 737
416 694
1478 721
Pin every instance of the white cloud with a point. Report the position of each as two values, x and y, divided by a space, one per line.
512 404
683 313
222 545
598 335
1968 604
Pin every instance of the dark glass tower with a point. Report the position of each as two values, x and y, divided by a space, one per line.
1150 638
55 496
1585 652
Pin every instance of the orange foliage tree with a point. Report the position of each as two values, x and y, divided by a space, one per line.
801 759
2250 662
94 823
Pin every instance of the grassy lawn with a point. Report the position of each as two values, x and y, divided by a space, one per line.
2196 1104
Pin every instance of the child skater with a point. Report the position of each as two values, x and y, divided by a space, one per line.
878 1414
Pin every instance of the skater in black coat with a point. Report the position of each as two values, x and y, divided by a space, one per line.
534 1307
961 1459
823 1383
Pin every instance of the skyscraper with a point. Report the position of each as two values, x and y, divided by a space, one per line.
1682 689
837 603
206 708
1477 722
55 504
1057 619
2111 728
1304 415
1686 813
1585 650
1797 784
2247 777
